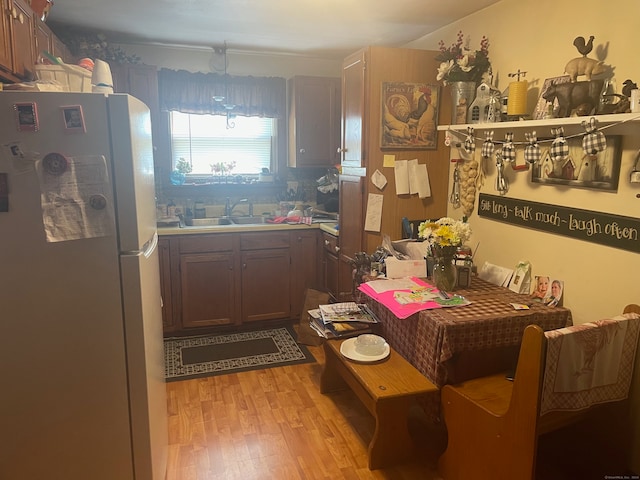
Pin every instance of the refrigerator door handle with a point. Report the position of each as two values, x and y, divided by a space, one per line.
150 246
147 249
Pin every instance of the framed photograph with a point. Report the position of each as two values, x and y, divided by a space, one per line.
541 107
600 171
26 116
73 119
409 115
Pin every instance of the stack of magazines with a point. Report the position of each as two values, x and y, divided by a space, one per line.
340 320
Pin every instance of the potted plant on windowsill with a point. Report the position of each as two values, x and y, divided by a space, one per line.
179 173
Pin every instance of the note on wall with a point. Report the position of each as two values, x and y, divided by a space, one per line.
389 161
402 177
373 219
378 179
420 178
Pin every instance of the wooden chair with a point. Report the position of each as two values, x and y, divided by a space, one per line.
493 424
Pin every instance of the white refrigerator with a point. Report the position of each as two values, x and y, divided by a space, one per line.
82 393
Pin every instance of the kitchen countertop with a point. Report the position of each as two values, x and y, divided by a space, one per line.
167 231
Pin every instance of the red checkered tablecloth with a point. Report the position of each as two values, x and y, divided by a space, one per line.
431 338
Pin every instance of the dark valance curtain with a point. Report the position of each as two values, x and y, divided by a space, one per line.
189 92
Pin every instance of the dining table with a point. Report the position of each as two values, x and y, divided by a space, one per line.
457 343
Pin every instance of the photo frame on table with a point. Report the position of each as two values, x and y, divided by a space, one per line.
73 119
599 172
541 107
409 116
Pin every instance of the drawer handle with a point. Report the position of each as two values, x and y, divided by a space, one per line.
336 248
326 242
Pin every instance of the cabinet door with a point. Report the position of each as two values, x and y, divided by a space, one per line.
351 235
265 285
314 121
61 50
6 18
330 264
353 110
304 272
44 38
164 256
208 289
141 81
23 39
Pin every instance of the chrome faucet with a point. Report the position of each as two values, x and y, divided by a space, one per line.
228 207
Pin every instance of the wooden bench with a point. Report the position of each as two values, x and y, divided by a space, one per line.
387 389
494 424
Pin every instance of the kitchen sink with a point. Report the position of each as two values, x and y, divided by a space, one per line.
209 222
249 220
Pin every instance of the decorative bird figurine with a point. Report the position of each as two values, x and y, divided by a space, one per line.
628 85
584 47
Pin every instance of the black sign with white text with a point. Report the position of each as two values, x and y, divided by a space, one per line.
602 228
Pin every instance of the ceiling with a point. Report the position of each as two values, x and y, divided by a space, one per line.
326 28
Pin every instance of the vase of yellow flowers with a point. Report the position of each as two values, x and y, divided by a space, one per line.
463 69
444 237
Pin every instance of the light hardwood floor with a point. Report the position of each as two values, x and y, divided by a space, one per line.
275 424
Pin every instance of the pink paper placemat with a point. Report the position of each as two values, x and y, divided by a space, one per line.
401 311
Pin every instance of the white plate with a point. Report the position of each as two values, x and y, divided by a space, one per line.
348 349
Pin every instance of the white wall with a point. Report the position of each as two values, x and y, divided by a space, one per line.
536 36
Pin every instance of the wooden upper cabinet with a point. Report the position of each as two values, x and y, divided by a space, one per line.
6 60
44 38
23 28
354 110
60 50
314 121
141 81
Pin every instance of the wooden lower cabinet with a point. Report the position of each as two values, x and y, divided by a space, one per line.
265 285
164 259
209 296
330 264
209 289
226 280
305 261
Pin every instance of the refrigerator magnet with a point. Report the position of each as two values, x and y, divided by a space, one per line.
55 163
73 119
26 116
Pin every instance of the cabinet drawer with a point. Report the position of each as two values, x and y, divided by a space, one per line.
206 243
330 243
263 240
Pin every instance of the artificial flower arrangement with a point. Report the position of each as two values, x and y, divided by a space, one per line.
445 232
222 168
460 64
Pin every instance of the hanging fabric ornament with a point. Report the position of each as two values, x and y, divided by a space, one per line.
470 142
532 150
508 149
487 146
559 149
594 141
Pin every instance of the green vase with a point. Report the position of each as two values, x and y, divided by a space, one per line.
444 270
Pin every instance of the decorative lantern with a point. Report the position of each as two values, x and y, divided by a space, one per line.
486 106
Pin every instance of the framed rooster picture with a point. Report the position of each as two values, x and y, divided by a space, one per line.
409 116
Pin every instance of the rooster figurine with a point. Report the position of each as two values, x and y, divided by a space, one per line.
583 46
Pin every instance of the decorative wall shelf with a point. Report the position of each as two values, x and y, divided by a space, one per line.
614 124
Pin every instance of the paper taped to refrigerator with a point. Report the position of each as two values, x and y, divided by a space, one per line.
76 197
